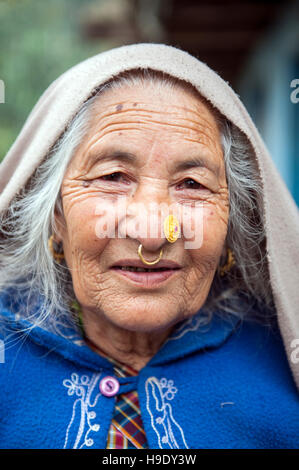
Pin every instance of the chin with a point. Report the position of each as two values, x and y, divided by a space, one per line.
145 320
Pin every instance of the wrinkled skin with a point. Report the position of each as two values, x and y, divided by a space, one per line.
161 128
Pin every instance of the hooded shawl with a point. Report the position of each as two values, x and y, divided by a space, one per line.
63 99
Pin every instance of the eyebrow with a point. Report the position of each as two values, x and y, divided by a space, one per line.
127 157
198 162
107 155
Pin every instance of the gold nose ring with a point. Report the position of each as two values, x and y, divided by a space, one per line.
149 263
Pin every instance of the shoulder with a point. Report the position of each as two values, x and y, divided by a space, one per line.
253 343
256 364
251 365
258 341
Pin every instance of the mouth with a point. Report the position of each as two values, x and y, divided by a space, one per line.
150 277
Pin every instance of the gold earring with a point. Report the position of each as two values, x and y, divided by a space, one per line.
222 270
149 263
171 228
57 255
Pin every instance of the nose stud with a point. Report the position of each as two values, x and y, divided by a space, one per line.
171 228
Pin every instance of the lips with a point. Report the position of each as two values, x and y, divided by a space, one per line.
147 277
138 264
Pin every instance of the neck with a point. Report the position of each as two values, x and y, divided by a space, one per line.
132 348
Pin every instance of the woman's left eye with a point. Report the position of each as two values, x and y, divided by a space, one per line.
190 183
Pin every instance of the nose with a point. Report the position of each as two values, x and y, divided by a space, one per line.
145 224
151 245
145 215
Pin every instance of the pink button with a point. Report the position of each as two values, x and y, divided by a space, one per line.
109 386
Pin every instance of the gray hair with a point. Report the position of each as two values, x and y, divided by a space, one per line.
26 265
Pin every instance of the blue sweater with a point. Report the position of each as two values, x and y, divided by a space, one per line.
226 385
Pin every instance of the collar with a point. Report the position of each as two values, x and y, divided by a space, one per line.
188 337
194 335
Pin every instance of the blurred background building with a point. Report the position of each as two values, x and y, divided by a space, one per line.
254 45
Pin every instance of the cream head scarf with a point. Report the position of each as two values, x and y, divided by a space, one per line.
61 101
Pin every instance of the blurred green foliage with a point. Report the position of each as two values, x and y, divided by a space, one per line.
39 40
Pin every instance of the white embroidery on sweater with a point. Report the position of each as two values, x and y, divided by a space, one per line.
82 387
158 394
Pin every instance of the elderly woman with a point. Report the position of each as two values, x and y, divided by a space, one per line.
149 281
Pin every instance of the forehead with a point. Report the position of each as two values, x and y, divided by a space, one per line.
172 101
170 118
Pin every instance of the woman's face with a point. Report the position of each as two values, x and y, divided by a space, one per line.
154 146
